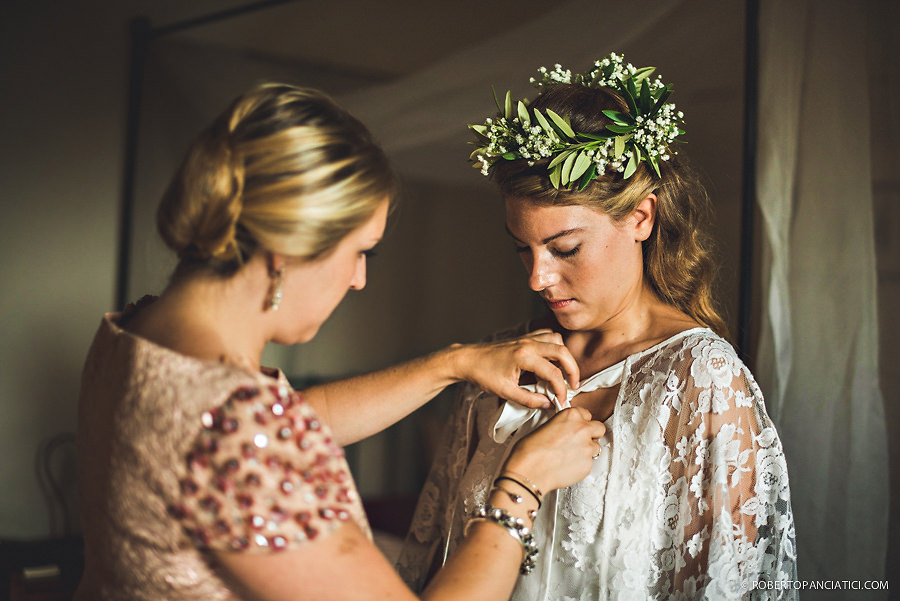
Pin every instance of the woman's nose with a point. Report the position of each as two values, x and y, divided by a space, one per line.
358 282
541 275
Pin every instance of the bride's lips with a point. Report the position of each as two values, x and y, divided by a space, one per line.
558 304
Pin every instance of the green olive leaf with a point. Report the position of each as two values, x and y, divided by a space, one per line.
582 162
588 176
523 114
554 177
619 146
565 175
561 124
559 158
602 137
620 118
663 96
631 88
646 102
629 94
630 168
643 73
543 121
481 132
654 162
621 129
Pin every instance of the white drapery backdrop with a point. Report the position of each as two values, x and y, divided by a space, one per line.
817 360
819 340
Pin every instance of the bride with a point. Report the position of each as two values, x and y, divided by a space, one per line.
689 497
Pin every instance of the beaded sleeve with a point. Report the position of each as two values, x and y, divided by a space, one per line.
264 475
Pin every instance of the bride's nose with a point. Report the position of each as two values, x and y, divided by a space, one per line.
541 273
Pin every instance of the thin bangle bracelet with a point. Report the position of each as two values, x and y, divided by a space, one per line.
522 484
527 481
517 499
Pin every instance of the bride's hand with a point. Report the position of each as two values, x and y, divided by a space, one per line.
560 452
497 366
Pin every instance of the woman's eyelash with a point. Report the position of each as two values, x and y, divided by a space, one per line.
564 254
567 253
370 253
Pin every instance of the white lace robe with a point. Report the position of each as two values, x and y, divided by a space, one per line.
688 500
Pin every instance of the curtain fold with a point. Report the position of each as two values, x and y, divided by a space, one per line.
819 341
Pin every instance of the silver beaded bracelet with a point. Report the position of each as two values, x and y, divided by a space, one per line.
516 528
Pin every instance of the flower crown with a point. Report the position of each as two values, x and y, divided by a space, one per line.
644 133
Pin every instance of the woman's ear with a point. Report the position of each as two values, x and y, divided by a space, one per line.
275 262
643 217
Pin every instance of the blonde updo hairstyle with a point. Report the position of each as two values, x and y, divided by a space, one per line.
678 266
284 169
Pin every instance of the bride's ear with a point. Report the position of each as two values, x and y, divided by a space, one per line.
643 217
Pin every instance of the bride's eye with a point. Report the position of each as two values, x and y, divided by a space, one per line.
565 254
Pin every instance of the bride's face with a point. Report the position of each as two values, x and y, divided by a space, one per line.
586 267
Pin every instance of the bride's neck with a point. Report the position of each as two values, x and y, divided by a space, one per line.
639 328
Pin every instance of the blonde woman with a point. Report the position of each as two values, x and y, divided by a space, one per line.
203 475
689 498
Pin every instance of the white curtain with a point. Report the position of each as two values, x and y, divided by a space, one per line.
819 341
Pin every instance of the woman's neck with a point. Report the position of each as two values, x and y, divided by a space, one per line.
209 317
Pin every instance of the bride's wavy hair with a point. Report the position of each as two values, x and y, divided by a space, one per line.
678 265
284 169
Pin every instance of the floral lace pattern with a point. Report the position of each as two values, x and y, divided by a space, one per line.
690 500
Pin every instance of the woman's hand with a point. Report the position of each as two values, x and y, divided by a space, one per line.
360 406
497 366
560 452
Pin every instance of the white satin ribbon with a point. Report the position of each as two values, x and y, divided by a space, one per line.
514 415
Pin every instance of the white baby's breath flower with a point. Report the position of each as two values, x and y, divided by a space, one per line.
650 135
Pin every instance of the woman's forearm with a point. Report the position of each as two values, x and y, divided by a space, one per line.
360 406
485 565
363 405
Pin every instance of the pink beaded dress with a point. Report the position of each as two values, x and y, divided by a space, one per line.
178 456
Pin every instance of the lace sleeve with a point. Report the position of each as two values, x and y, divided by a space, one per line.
422 551
728 505
263 475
